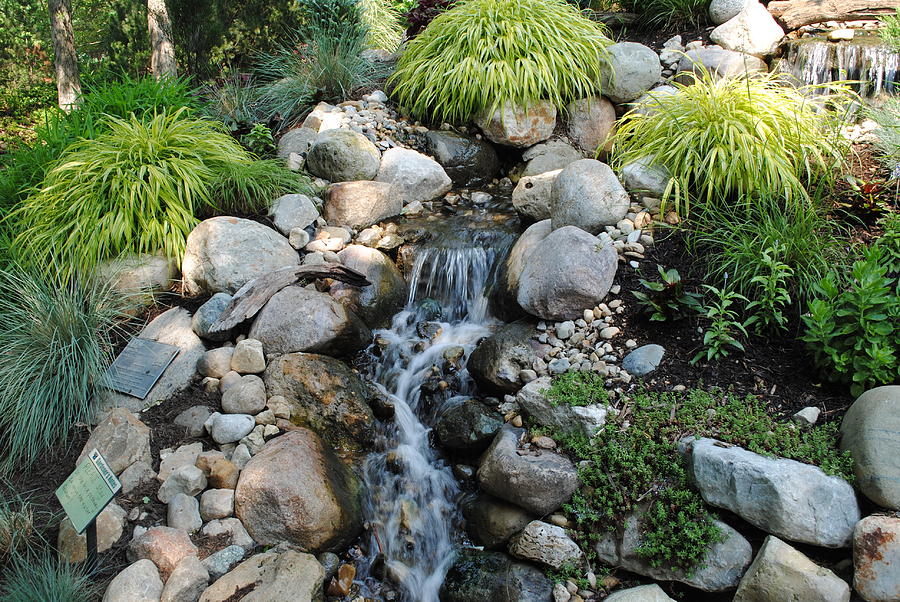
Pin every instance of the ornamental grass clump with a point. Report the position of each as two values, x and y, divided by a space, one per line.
482 53
727 141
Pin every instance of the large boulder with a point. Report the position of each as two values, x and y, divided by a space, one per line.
466 425
375 304
519 126
325 395
466 160
549 156
783 497
281 574
588 195
720 63
299 319
752 31
568 271
291 211
498 359
477 576
590 122
414 176
871 433
876 558
341 155
360 204
547 545
296 490
135 274
721 11
518 257
779 572
491 521
642 593
121 438
723 565
643 176
225 253
164 546
632 70
533 400
139 582
540 482
532 195
296 141
648 103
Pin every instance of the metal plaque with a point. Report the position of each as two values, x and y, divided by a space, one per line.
87 491
139 366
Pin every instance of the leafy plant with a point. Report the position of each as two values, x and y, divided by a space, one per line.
248 188
45 576
731 139
578 388
724 325
482 53
234 100
667 14
382 23
890 30
259 139
668 299
889 243
16 524
888 136
772 297
852 325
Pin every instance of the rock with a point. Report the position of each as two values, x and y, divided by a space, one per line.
725 10
184 513
139 582
538 483
466 425
278 575
782 497
296 476
870 431
223 474
121 438
840 35
545 544
229 380
228 428
248 357
221 562
185 479
224 253
590 122
246 397
375 304
752 31
588 195
642 593
232 529
216 504
806 417
496 362
779 572
414 176
517 126
186 582
207 314
360 204
724 563
647 104
569 271
297 140
632 70
165 546
466 160
342 155
477 576
298 319
139 276
876 558
340 584
291 211
533 400
170 461
643 360
642 176
516 262
491 521
720 63
532 195
325 395
549 156
215 363
136 475
298 238
110 526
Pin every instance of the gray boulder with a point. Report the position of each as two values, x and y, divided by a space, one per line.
291 211
477 576
642 593
187 479
643 360
341 155
568 271
281 574
248 396
545 544
590 122
375 304
296 141
229 428
299 319
466 425
643 176
360 204
139 582
533 400
725 10
720 63
207 314
519 254
753 31
779 572
135 274
225 253
466 160
549 156
186 582
220 562
648 103
783 497
184 513
496 362
540 482
518 126
871 433
414 176
588 195
876 556
532 195
491 521
632 70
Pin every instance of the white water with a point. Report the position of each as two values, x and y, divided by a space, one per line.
817 62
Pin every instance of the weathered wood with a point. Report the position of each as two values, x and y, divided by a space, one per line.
65 61
792 14
251 297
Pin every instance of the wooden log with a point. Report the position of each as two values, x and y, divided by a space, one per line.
251 297
792 14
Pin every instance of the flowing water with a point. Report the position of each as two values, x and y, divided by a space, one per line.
816 61
411 510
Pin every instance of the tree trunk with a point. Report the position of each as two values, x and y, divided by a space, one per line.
162 49
796 13
68 84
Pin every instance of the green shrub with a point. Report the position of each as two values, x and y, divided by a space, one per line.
44 576
482 53
721 336
729 140
55 335
382 23
247 188
17 529
888 143
578 388
667 299
668 14
890 30
234 101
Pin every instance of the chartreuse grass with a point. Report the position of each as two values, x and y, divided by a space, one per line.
482 53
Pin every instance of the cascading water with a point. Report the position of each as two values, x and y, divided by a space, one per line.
411 510
816 61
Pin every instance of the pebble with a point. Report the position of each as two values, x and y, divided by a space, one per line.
609 332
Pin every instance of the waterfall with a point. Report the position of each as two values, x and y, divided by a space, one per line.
815 61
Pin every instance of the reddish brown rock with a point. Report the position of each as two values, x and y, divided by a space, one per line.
165 546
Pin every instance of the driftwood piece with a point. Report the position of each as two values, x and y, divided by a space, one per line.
792 14
251 297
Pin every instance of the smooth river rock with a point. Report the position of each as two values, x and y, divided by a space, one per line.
587 194
871 432
358 204
517 126
590 122
375 304
633 69
466 160
479 576
498 359
413 176
341 155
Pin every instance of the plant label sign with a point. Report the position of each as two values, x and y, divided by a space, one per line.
87 491
139 366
